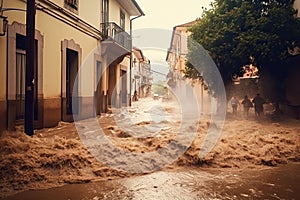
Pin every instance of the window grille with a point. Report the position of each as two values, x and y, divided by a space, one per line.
72 4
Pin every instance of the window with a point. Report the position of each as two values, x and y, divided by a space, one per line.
72 5
21 78
122 25
20 84
122 20
16 76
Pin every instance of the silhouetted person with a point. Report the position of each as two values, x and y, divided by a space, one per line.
258 104
135 96
247 104
234 104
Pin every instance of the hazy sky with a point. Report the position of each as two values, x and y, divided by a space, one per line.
168 13
152 32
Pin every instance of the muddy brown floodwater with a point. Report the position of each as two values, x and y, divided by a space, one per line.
186 183
237 167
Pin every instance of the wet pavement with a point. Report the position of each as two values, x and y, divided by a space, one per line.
185 183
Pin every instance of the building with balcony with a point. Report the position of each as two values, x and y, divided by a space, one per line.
82 59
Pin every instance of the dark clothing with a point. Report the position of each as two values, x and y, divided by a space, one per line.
247 104
258 104
135 96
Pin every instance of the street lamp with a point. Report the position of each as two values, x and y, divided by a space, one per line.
3 28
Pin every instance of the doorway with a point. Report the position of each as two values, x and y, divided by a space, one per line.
98 92
124 86
71 83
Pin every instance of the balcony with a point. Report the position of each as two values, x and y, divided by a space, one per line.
115 39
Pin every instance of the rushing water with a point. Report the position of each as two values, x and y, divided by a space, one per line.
186 183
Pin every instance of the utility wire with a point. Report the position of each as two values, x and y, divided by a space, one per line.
158 72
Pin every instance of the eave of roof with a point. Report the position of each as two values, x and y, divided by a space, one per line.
132 7
188 24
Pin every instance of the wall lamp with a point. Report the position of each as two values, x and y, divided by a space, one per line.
3 25
4 21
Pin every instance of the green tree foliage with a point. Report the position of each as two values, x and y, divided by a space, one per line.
233 30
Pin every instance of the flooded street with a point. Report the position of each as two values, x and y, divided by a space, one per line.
186 183
150 152
198 101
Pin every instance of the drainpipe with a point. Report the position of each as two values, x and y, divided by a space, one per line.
130 70
1 6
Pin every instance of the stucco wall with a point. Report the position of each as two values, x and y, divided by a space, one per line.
114 12
53 32
88 11
52 54
50 29
59 2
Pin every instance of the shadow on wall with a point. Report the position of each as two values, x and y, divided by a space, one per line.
246 86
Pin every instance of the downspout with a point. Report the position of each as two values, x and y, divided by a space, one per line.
1 6
130 70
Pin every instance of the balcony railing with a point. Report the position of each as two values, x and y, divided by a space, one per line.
112 32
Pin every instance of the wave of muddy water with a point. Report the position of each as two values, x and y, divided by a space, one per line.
186 183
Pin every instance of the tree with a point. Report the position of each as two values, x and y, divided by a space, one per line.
232 31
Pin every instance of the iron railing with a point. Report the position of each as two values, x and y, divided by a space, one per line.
112 32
